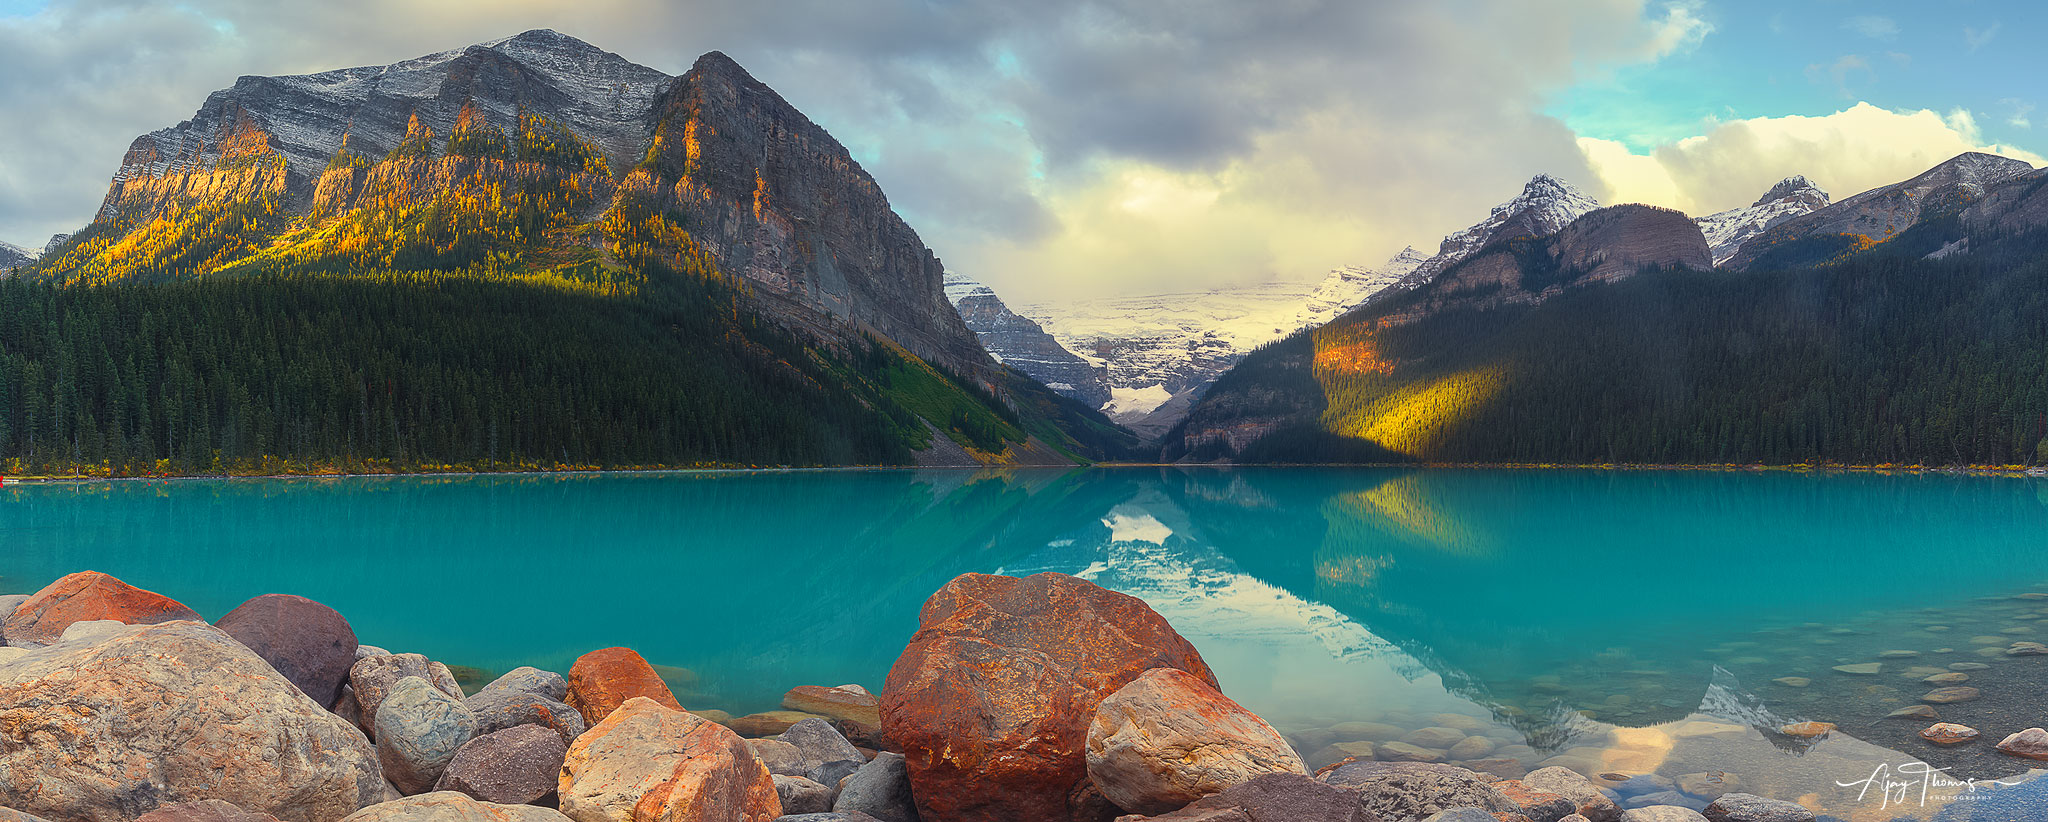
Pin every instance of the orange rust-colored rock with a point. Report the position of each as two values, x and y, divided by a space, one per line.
992 699
88 595
837 703
602 680
649 763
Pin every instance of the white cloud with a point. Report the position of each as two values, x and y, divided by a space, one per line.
1849 151
1978 38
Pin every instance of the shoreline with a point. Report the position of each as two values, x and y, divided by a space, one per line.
2011 471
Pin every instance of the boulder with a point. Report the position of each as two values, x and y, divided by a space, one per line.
1438 738
1461 815
2031 743
780 757
769 723
827 817
1673 799
373 677
515 766
530 680
1407 790
1272 798
800 795
648 761
1538 805
449 806
1590 802
1405 752
1709 784
818 742
846 702
87 595
992 699
204 810
419 730
1743 807
306 641
1170 738
166 713
1950 695
1662 813
834 773
499 709
881 789
602 680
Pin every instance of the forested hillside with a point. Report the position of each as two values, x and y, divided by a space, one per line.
1878 359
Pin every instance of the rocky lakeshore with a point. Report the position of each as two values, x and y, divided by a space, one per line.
1036 698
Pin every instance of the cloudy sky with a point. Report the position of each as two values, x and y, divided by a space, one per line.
1062 148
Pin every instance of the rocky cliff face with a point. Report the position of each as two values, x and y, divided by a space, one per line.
1020 343
1545 205
742 178
778 201
1878 214
1602 246
1728 230
14 255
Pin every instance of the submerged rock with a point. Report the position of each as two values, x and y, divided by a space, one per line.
1589 801
172 712
1945 696
1743 807
649 762
992 699
605 679
1861 668
1914 712
769 723
87 595
1807 730
310 643
846 702
1949 733
2031 743
1662 813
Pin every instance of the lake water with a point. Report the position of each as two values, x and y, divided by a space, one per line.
1615 622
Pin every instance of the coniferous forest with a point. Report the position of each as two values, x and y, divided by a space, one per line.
419 371
1879 359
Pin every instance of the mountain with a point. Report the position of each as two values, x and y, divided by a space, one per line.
1857 223
13 255
1604 343
540 163
1349 287
1019 343
1545 205
1728 230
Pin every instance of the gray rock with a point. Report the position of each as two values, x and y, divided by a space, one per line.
880 789
1673 798
1282 797
366 651
91 630
499 709
1461 815
11 815
1662 813
831 772
800 795
1592 803
419 731
346 708
531 680
1743 807
449 806
820 743
780 757
372 677
1412 790
515 766
827 817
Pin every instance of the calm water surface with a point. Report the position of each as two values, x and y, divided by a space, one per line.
1614 622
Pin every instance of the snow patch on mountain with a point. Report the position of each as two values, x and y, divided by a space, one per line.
1545 205
1349 287
12 255
1728 230
1127 401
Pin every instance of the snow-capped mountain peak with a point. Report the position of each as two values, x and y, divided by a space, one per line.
12 255
1545 205
1791 197
1349 287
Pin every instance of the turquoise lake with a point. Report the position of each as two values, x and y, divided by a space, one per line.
1627 622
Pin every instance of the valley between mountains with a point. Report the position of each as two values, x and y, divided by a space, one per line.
535 254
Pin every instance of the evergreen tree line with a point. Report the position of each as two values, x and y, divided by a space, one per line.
1879 359
405 371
